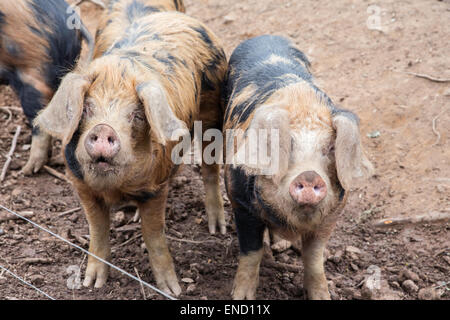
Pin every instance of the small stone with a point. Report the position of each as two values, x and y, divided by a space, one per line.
353 252
374 135
2 232
37 279
191 289
428 294
337 257
229 18
354 267
179 182
119 219
409 286
187 280
281 246
16 192
407 274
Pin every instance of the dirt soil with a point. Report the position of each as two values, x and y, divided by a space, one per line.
364 70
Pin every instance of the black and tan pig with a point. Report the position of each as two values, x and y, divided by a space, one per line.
117 118
38 46
301 189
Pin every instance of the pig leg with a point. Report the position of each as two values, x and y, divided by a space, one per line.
97 215
251 235
153 221
213 200
315 281
33 96
41 144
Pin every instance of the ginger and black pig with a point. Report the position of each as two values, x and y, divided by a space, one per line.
117 117
37 48
300 191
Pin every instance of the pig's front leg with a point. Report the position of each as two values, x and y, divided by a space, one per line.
251 233
153 221
97 214
40 148
315 281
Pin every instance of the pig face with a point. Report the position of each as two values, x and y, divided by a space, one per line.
112 127
319 156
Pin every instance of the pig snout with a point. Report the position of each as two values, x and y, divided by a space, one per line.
308 189
102 143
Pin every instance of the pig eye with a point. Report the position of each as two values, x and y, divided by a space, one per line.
88 110
137 116
329 151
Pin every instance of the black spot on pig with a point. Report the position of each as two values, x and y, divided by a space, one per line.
30 97
71 159
138 9
64 44
2 19
250 227
144 196
177 4
12 48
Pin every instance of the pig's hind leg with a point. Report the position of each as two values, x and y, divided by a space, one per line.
250 231
213 200
153 221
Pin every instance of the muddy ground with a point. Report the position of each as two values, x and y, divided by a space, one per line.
362 54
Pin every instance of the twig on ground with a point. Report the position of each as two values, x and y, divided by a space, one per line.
65 213
10 153
427 218
7 216
10 115
16 109
280 266
56 174
37 261
127 242
80 239
187 241
142 287
425 76
437 133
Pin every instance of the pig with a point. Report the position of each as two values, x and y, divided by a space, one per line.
117 119
319 155
37 48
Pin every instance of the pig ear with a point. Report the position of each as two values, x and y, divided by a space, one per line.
273 122
163 122
351 162
62 116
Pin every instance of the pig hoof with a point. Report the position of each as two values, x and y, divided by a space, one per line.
318 295
98 273
33 165
217 219
170 285
243 292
